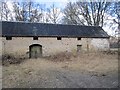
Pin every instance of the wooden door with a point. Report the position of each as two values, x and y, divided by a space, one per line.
35 51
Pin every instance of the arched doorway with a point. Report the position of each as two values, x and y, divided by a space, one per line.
35 51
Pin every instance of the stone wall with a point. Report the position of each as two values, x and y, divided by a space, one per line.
19 46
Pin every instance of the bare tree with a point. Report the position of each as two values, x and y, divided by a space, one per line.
117 12
53 14
87 13
5 12
28 11
20 11
71 15
35 12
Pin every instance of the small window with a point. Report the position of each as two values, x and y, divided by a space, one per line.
8 38
78 38
35 38
79 47
58 38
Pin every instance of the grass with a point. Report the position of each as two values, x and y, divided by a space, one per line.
96 63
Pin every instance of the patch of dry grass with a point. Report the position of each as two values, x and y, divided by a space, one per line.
32 68
95 62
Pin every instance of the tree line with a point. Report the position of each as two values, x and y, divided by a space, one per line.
77 13
29 12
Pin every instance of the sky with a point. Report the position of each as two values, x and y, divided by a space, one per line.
58 3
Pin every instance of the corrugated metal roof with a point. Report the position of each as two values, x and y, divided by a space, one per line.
50 30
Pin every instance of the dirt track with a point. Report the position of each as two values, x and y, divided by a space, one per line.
71 79
93 71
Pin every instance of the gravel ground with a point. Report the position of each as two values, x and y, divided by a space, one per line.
0 77
72 79
87 72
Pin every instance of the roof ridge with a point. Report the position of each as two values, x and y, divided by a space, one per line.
47 23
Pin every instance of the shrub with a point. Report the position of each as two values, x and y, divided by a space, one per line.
10 59
64 56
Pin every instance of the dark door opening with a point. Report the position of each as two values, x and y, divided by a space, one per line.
35 51
79 47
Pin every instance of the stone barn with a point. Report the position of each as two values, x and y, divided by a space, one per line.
34 40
